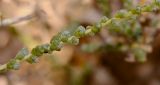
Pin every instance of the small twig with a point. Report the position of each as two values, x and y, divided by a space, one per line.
37 12
7 22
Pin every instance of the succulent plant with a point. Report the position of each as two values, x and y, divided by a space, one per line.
57 42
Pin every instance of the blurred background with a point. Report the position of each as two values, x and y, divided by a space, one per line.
108 58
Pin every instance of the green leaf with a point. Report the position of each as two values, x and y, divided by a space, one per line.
56 43
22 53
121 14
64 36
32 59
80 31
13 64
157 2
73 40
136 10
140 55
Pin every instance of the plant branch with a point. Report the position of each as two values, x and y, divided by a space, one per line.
7 22
71 37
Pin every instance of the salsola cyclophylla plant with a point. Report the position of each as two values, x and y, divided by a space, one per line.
72 37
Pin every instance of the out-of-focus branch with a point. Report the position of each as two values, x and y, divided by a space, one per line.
7 22
37 12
